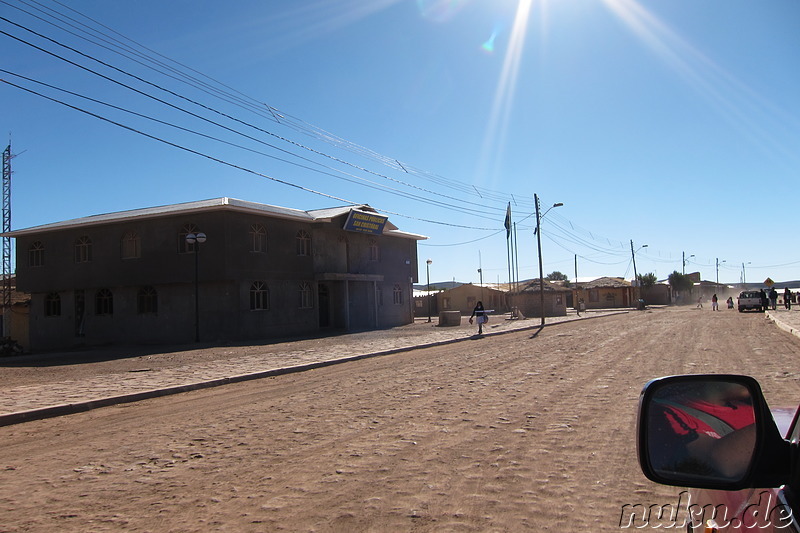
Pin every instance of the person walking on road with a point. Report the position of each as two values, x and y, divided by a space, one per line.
787 299
699 303
773 298
480 315
730 302
714 303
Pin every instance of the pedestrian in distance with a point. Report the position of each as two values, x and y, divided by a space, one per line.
764 301
773 298
714 303
787 299
480 315
699 303
730 302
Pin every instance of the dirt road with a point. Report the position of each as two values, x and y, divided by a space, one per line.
531 431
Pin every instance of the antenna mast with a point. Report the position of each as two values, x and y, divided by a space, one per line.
7 272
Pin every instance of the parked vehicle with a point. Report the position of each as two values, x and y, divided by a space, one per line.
716 434
750 300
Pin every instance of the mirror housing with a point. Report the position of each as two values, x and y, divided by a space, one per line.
711 431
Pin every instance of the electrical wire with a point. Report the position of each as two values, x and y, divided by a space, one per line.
223 162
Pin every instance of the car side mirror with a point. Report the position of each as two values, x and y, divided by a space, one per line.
710 431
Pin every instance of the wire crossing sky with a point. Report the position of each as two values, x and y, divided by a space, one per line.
674 124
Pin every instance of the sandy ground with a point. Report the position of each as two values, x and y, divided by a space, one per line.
529 431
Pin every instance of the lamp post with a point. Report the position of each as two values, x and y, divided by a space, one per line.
635 274
717 282
683 271
428 263
539 245
195 240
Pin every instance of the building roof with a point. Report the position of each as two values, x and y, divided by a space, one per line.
534 286
606 283
224 203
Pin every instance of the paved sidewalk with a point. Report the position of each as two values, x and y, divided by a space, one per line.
41 400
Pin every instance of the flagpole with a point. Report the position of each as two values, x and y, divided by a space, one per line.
507 224
516 256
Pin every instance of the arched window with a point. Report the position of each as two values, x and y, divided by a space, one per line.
259 296
52 304
374 250
131 246
306 299
83 249
258 238
36 254
397 294
183 246
303 243
103 302
147 301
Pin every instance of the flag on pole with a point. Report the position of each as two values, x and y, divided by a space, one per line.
507 223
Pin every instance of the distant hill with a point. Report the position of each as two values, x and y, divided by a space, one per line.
778 285
438 286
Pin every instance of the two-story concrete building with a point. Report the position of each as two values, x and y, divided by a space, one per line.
260 272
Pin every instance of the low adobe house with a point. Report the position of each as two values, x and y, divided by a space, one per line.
464 298
529 299
658 294
604 293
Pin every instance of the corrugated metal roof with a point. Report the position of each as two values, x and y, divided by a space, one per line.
286 213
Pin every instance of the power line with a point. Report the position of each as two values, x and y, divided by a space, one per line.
232 165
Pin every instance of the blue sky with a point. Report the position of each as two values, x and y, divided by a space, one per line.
674 124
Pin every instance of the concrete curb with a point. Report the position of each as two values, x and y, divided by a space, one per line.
783 326
79 407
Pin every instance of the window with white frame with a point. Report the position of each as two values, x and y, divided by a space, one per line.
306 296
131 245
303 243
183 246
147 301
374 250
103 302
397 294
36 254
83 249
258 238
259 296
52 304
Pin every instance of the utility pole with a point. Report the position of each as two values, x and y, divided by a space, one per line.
683 271
539 245
635 274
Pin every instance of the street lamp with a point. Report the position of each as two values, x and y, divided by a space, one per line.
539 245
635 274
195 240
683 271
428 263
744 278
718 262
